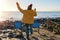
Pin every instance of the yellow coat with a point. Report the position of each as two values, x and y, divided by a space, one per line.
28 15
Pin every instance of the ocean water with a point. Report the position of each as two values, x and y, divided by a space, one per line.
18 15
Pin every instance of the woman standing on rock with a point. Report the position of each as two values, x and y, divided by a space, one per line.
28 17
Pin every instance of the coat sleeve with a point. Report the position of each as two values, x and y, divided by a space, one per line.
35 13
19 8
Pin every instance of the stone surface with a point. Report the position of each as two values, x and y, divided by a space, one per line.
42 35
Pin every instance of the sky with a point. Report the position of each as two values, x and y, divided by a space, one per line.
40 5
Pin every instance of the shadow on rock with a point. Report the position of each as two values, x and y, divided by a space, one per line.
34 38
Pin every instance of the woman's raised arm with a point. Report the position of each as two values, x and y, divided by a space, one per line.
19 8
35 13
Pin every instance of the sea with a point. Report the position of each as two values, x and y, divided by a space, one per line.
16 15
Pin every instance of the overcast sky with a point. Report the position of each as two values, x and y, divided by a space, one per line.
40 5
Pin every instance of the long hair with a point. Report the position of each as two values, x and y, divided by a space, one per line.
29 7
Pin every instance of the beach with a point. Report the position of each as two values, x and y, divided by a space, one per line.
42 35
9 32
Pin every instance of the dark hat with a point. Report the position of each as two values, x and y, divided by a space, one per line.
30 6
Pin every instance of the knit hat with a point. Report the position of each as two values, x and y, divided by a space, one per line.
30 7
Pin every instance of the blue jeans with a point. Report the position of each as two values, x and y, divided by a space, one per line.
28 28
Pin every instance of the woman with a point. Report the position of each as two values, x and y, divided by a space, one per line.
28 17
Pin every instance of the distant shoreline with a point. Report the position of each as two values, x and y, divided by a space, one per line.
37 11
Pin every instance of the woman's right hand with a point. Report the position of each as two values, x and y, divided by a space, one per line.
35 9
17 3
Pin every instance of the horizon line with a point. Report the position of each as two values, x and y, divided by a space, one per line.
37 11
